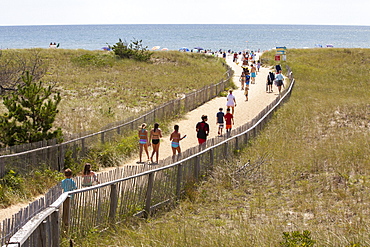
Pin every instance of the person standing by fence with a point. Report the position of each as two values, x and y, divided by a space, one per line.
143 142
88 177
155 137
202 129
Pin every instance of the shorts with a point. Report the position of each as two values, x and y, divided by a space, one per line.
201 141
253 74
228 126
221 125
155 141
279 83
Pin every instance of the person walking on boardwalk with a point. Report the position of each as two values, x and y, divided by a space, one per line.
175 137
202 129
229 119
68 184
270 81
279 78
246 91
220 121
242 80
230 101
253 74
155 135
88 177
143 142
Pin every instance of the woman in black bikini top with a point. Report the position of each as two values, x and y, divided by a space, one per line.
155 135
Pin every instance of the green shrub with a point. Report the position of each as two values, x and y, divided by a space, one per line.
12 180
91 59
135 50
295 239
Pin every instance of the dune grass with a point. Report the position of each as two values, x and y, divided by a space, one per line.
312 171
98 89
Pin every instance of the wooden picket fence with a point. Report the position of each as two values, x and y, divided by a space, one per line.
145 191
30 156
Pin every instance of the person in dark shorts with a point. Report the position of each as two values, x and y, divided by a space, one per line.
202 129
220 121
270 81
155 135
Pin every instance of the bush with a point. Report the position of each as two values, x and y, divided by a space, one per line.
134 50
295 239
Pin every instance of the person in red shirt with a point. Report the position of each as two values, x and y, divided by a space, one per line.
229 119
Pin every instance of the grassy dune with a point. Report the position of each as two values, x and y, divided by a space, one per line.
98 89
312 171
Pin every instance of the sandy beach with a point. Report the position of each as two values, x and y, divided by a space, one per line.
244 112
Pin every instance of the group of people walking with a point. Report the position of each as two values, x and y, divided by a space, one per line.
152 138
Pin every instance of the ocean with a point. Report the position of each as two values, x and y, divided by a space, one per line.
174 36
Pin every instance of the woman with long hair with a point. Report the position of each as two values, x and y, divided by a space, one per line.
155 135
143 142
88 176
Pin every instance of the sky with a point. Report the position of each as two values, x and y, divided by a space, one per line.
70 12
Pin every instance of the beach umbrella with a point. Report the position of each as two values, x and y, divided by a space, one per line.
105 48
165 49
329 45
156 48
184 49
198 48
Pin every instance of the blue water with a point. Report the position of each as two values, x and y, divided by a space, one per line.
173 37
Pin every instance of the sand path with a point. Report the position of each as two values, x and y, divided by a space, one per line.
244 112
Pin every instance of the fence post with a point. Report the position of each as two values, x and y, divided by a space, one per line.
113 202
82 146
226 145
237 143
197 168
179 179
102 137
211 157
66 212
42 242
55 233
149 194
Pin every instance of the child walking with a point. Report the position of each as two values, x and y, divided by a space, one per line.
220 121
229 119
68 184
